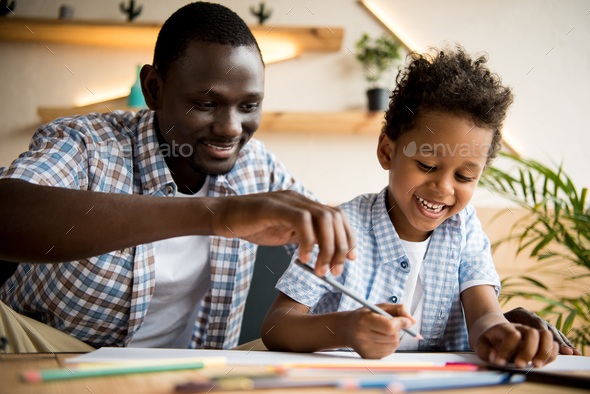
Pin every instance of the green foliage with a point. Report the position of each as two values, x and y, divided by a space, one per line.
377 55
131 11
260 14
556 230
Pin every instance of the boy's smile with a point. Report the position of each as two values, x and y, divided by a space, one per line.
433 171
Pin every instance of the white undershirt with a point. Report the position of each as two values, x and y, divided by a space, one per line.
413 298
183 277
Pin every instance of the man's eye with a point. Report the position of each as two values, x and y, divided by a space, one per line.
251 107
206 105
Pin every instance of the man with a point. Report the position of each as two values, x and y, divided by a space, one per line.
139 266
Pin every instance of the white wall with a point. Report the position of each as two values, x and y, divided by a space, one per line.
549 120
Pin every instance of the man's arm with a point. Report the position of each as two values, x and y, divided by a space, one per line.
288 327
42 224
496 340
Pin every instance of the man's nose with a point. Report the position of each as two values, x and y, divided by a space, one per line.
228 124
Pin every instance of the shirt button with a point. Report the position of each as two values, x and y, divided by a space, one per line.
126 250
147 187
169 190
393 299
404 265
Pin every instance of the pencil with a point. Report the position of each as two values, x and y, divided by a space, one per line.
35 376
355 297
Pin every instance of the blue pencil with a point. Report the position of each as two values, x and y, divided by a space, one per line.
355 297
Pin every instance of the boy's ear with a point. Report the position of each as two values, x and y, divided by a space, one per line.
385 151
151 86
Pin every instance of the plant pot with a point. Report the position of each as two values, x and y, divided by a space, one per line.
378 99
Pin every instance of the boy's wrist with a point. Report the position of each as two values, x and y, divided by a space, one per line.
484 323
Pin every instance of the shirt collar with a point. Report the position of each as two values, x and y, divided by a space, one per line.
153 171
387 238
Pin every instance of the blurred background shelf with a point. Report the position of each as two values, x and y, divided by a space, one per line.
346 122
286 40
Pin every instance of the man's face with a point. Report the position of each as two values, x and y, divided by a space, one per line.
211 101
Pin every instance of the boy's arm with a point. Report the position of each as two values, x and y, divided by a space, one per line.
496 340
288 327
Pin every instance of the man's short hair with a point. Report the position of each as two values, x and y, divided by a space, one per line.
199 22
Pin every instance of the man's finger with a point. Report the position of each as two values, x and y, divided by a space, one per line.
305 233
324 228
341 244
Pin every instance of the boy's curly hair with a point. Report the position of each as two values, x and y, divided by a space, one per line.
449 82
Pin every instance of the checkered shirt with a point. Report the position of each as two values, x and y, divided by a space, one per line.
102 300
459 252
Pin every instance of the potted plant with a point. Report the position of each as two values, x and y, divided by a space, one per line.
377 57
556 232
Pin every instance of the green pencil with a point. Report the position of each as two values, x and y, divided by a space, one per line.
36 376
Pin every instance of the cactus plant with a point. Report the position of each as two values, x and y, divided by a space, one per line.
5 8
131 11
260 13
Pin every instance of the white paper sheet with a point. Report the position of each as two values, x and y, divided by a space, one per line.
234 357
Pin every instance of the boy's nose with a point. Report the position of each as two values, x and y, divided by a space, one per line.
443 186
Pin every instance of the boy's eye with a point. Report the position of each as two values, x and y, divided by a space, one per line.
464 178
425 167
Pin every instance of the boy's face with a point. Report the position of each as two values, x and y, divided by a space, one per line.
209 106
433 171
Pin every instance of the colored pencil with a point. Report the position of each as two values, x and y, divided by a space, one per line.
356 297
37 376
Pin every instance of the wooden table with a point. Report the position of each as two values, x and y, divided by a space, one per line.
164 382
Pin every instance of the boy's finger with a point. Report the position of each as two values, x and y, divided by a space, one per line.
397 310
508 346
305 233
486 352
547 351
528 346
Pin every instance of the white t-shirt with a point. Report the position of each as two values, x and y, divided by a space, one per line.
183 277
413 298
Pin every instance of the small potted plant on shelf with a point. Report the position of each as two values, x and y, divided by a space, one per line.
377 57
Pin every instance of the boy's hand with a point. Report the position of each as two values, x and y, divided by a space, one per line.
375 336
531 319
505 342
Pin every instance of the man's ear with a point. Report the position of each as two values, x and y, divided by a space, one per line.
385 151
151 86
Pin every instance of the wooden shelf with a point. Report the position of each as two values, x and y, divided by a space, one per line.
348 122
338 123
144 35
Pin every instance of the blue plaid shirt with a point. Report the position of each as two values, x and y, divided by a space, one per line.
102 300
459 252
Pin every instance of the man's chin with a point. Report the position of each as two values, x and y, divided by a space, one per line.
214 169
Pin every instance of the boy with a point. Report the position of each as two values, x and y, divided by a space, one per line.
421 248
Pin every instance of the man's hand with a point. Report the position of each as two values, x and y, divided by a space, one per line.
525 317
284 217
505 342
375 336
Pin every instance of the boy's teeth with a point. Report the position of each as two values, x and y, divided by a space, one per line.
429 206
